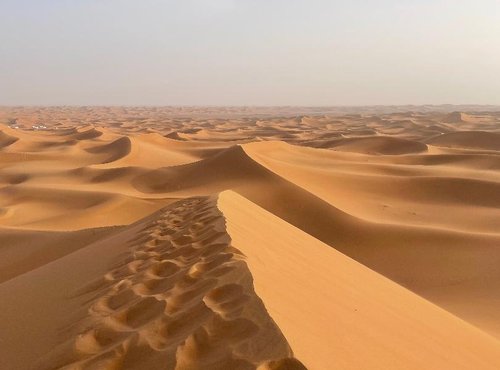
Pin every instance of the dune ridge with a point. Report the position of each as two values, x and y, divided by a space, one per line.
180 296
6 139
113 151
279 255
178 293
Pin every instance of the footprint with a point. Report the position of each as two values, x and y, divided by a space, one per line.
154 287
163 269
97 340
227 300
289 363
141 313
176 298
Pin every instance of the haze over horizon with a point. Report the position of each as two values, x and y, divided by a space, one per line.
229 52
249 185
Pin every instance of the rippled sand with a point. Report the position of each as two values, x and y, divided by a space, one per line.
250 238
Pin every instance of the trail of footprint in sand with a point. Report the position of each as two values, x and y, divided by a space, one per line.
182 298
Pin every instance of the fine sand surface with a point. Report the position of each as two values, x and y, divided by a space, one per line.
249 238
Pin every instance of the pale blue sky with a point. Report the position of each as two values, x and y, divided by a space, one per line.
242 52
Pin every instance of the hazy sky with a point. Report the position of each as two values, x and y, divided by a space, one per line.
249 52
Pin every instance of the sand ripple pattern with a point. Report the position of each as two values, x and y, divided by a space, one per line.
181 299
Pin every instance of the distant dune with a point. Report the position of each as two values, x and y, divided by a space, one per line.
455 117
113 151
378 145
468 140
258 238
6 139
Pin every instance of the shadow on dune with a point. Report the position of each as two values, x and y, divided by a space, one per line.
479 140
397 251
113 151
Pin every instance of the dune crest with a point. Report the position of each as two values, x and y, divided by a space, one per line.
6 139
180 297
113 151
360 313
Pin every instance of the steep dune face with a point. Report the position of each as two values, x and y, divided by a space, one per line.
228 168
87 134
194 287
384 189
405 224
371 241
158 150
6 140
234 169
178 295
113 151
400 249
365 320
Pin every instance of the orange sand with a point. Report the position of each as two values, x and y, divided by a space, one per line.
249 238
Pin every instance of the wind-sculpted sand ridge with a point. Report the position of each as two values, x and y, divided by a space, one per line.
87 134
418 220
113 151
6 139
366 321
180 297
399 245
185 238
90 169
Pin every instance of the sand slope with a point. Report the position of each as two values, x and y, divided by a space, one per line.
409 219
249 238
23 251
176 291
468 140
378 145
365 320
169 292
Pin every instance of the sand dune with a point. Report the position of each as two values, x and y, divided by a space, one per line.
469 140
403 225
113 151
87 134
6 139
360 314
454 117
174 135
377 145
178 295
249 238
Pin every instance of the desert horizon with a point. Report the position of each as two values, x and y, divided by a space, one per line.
249 238
249 185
